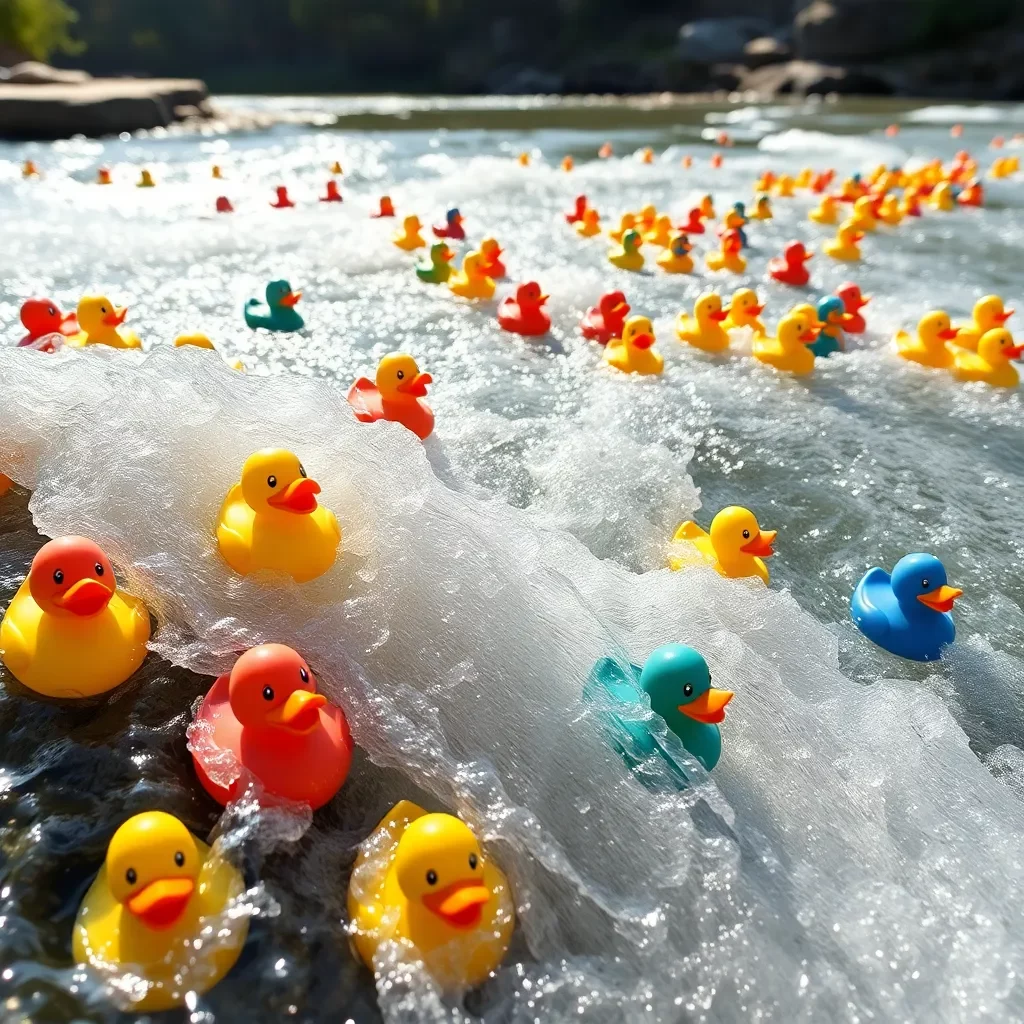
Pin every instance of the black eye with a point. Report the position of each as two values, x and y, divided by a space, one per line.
472 862
924 584
302 470
99 569
401 374
51 311
271 481
179 859
130 876
268 693
58 577
746 535
687 690
431 878
303 675
103 309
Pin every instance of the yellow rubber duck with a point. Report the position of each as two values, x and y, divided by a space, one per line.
216 173
524 159
988 314
627 256
632 353
409 238
29 169
929 348
844 246
422 880
804 178
627 222
590 224
199 340
765 182
150 900
472 282
661 231
99 320
789 350
942 198
785 186
826 212
69 632
704 329
991 363
567 163
676 258
745 311
863 216
736 545
272 520
145 179
645 218
762 209
336 168
729 255
889 210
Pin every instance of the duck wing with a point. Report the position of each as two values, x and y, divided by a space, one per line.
865 607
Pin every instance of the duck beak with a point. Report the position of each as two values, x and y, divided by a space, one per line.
621 309
949 334
761 545
1001 318
300 712
755 311
1014 352
543 299
65 317
807 256
86 597
417 385
709 707
719 315
290 299
643 341
460 904
299 496
810 335
448 255
940 599
161 903
116 316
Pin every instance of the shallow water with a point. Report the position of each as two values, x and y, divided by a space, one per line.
855 855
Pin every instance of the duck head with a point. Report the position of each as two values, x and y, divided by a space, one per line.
97 314
146 177
851 296
848 233
831 310
282 194
680 245
763 204
631 241
387 207
271 687
707 207
744 304
678 681
490 248
796 253
590 217
440 868
638 332
398 374
279 293
648 214
152 868
441 253
798 328
989 312
412 224
627 221
935 328
732 242
614 308
694 217
473 265
920 579
71 575
579 206
452 216
41 316
735 530
709 307
273 480
529 296
997 346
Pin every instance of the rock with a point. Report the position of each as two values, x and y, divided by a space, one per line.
719 40
844 30
808 78
766 50
34 72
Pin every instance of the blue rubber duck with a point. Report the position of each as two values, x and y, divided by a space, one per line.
676 683
831 312
740 209
278 313
907 613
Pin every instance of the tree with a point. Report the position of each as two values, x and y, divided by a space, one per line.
38 27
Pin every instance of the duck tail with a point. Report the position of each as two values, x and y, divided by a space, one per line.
688 531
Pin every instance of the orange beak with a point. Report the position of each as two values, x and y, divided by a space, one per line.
761 545
161 903
620 309
290 299
1001 318
718 316
709 707
300 712
1014 352
459 904
643 341
807 337
949 334
299 496
755 311
417 385
116 316
86 597
941 600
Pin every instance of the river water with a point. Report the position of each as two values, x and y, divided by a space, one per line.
855 855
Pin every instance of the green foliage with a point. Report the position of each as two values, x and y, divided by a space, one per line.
38 27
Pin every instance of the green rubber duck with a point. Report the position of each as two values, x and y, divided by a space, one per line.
439 268
278 313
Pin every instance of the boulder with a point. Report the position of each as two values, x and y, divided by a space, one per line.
851 30
719 40
808 78
34 72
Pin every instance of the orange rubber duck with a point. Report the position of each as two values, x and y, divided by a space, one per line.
493 266
396 394
385 208
972 195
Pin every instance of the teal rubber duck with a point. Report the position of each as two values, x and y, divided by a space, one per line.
439 269
675 683
831 312
278 313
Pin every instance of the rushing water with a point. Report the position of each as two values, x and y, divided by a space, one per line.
856 854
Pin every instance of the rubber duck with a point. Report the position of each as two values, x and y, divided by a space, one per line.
674 683
423 879
910 205
590 224
831 315
575 215
396 394
735 220
715 161
266 716
409 238
804 178
889 211
216 173
272 520
472 282
29 169
646 217
99 320
605 151
41 317
103 177
728 256
335 168
706 207
627 222
452 226
632 353
627 256
736 545
660 233
908 613
524 159
694 222
822 181
567 163
282 200
704 330
789 351
439 269
606 320
785 186
791 267
851 189
198 340
147 909
223 205
744 311
988 314
762 209
853 303
278 313
676 258
525 314
863 216
331 195
765 182
647 155
844 246
385 208
991 363
929 348
493 265
69 632
145 180
686 162
942 198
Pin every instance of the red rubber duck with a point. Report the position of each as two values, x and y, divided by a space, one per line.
452 226
525 313
972 195
575 215
266 719
224 205
43 316
332 195
396 394
282 202
493 265
791 266
385 208
605 321
821 181
853 302
695 223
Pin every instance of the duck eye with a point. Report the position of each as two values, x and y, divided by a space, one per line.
51 311
431 877
924 584
302 470
472 862
401 374
746 535
179 859
99 569
687 690
268 693
58 577
271 481
303 675
130 876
